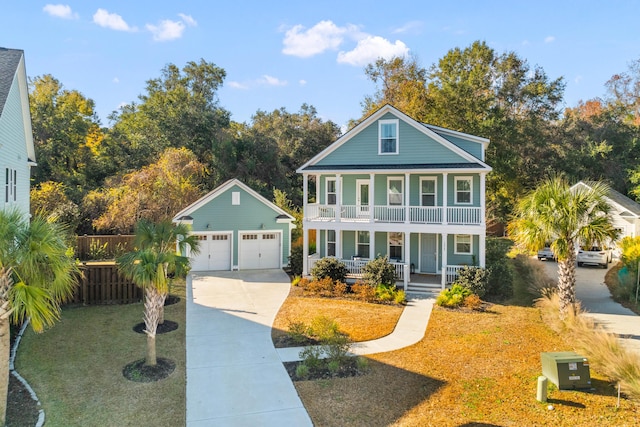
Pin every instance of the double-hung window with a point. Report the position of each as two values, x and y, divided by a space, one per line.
388 137
395 246
395 191
463 244
363 244
463 190
331 191
428 192
331 242
10 192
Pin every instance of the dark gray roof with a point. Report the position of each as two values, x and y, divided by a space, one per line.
412 166
9 60
624 201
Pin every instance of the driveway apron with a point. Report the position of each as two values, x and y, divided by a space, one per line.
234 374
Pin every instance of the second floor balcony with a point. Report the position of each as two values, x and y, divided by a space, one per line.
395 214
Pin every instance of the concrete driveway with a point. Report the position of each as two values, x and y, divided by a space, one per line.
595 298
234 374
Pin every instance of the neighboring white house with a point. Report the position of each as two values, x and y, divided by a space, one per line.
625 212
17 153
394 186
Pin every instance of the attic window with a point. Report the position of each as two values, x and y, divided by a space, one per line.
235 198
388 137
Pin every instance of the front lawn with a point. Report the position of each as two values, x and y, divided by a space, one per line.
76 367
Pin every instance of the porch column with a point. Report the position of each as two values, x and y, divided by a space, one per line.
483 202
445 199
339 244
317 177
338 197
371 196
481 248
444 259
372 244
305 248
406 197
406 242
305 194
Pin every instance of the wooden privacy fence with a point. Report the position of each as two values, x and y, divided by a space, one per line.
103 247
102 283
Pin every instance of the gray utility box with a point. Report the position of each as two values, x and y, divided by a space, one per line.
566 369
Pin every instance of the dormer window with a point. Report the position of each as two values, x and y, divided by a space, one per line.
388 136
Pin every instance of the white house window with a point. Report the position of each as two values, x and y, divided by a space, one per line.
388 136
395 246
463 190
395 193
235 198
331 242
11 177
363 244
331 191
428 192
463 244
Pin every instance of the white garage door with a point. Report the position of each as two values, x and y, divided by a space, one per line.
259 250
215 253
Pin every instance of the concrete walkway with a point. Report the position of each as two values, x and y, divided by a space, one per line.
234 374
595 298
409 330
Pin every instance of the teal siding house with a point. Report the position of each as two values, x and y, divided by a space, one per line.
395 187
17 153
238 229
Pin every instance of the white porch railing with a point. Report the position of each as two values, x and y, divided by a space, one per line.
464 216
354 266
395 214
452 273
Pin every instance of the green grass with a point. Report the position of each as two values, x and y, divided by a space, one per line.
76 367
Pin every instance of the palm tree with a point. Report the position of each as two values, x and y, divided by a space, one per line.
158 256
565 217
36 275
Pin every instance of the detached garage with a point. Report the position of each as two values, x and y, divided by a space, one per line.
238 229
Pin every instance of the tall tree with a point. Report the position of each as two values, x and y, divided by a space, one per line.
36 274
554 212
624 93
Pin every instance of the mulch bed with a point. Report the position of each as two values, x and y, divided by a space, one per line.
22 410
139 372
349 368
163 328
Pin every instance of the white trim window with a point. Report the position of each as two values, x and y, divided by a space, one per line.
428 192
362 246
388 138
331 242
395 241
464 193
11 192
395 191
462 244
332 196
235 198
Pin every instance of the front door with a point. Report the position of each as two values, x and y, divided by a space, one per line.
429 253
362 197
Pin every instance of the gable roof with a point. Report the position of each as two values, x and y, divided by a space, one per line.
628 207
12 65
433 132
220 190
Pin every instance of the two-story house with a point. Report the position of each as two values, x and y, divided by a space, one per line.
17 153
394 186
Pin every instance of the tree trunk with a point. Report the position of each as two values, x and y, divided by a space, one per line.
152 304
151 359
567 283
161 314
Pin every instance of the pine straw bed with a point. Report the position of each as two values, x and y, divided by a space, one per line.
471 368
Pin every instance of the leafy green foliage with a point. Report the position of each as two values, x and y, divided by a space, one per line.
499 269
390 293
330 267
453 297
379 271
474 279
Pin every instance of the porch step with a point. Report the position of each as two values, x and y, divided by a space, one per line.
431 288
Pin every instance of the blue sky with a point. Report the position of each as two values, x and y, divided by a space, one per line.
282 54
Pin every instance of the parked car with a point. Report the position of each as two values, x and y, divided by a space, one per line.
546 253
595 255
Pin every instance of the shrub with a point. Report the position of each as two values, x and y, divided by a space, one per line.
330 267
337 348
379 271
298 332
296 281
400 297
303 283
98 251
295 260
312 357
333 366
339 289
364 292
474 279
302 371
500 271
472 302
362 363
324 328
322 287
453 297
530 281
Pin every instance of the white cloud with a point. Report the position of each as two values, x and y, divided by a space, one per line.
111 20
302 82
116 80
265 80
272 81
549 39
370 49
525 43
188 19
578 79
238 85
60 11
323 36
166 30
412 27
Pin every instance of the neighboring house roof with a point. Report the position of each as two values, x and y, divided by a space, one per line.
629 208
12 65
220 190
434 132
